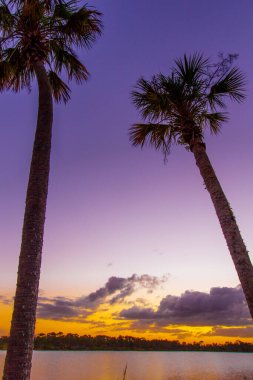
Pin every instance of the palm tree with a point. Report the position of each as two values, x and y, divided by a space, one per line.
36 42
178 109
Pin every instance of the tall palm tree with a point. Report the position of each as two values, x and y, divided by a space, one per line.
37 40
178 109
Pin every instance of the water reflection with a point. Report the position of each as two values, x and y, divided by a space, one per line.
100 365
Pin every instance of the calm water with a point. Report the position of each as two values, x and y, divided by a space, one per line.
98 365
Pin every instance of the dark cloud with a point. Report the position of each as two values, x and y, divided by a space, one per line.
59 308
116 290
56 311
137 312
222 306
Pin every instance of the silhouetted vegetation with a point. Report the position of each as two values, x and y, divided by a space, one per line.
59 341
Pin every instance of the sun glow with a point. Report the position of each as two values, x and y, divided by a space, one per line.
105 321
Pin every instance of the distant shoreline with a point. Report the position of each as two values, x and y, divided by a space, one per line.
74 342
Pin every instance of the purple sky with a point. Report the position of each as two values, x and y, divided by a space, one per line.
114 209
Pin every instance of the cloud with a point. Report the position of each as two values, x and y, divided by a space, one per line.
5 300
235 332
116 290
59 308
221 306
144 326
137 312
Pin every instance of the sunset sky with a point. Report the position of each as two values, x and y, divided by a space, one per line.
132 246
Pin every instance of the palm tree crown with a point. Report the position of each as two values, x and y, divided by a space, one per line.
180 106
45 31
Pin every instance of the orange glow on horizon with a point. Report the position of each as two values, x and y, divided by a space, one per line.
105 322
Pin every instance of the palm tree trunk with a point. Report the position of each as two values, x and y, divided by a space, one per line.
227 221
18 360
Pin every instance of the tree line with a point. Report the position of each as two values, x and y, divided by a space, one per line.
60 342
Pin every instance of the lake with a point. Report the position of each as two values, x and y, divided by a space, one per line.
109 365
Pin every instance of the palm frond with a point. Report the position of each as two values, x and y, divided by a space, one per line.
173 90
60 90
82 27
18 74
68 60
63 10
215 120
150 100
5 74
7 19
229 85
190 69
160 136
21 79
